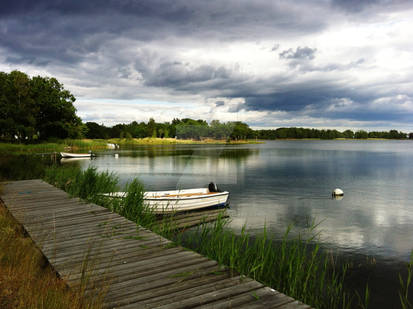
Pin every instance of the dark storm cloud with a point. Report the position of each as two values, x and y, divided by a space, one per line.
357 6
299 54
66 31
180 76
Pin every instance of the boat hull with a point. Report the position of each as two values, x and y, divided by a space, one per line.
159 205
75 155
161 202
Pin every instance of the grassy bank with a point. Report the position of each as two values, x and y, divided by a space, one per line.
58 145
99 144
174 141
26 278
294 266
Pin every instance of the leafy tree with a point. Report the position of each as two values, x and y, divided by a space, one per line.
36 108
56 116
348 134
361 134
95 130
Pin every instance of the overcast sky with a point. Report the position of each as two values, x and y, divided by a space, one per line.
325 64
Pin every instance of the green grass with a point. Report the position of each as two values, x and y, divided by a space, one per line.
54 146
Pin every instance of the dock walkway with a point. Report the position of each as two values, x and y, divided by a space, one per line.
139 268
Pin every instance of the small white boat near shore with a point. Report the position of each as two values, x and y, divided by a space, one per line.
180 200
76 155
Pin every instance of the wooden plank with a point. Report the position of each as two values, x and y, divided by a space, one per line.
242 299
85 223
142 282
93 250
148 288
176 292
157 297
294 305
107 242
186 225
44 207
116 257
73 238
278 300
193 216
124 232
143 266
191 302
64 214
29 196
114 246
123 274
118 253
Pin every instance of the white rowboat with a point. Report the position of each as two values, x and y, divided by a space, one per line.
75 155
180 200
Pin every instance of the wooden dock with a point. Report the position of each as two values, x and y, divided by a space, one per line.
139 268
182 221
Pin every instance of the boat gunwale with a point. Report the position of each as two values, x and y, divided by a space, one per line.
176 198
173 198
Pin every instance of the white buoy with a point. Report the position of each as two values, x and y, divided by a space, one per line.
116 155
337 192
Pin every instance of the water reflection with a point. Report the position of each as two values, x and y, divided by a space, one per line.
176 167
291 182
24 166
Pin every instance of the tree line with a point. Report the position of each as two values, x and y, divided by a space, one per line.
199 129
39 108
180 128
300 133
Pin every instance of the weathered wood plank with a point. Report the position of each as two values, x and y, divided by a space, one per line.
235 301
191 302
118 257
176 292
129 254
277 300
157 297
141 267
148 288
113 247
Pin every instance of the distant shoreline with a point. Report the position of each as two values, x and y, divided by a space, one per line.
83 145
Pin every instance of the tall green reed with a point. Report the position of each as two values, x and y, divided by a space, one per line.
405 285
293 265
86 184
90 186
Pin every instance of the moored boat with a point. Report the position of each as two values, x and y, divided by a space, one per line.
180 200
76 155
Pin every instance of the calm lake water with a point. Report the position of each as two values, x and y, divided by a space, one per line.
283 182
290 182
